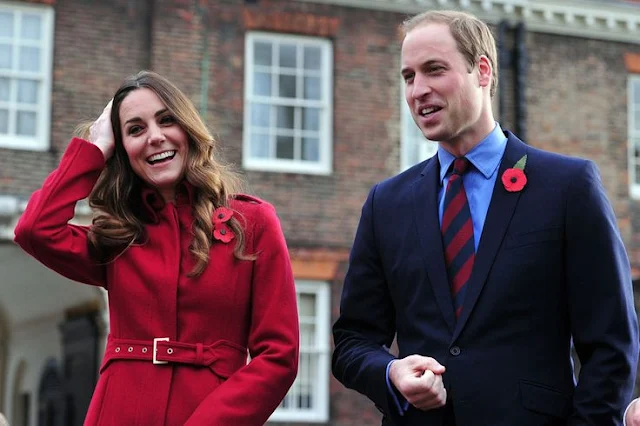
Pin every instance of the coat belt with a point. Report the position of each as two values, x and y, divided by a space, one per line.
223 357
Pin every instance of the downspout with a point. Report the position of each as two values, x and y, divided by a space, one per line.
149 39
504 62
520 64
204 61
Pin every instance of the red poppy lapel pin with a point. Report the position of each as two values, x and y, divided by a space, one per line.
514 178
221 230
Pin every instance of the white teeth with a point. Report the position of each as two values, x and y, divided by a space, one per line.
161 156
425 111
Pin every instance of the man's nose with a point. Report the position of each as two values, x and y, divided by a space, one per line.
421 86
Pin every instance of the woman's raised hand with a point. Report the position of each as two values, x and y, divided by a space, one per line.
101 132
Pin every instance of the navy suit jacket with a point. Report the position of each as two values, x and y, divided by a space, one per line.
550 267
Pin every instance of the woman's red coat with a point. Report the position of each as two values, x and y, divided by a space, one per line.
249 303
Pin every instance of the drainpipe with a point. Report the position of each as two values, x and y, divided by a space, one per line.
520 64
148 61
204 61
504 62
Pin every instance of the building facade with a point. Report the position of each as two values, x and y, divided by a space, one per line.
306 99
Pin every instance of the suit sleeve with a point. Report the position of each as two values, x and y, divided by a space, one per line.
366 325
44 231
251 394
601 307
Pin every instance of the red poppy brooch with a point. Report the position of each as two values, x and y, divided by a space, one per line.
221 230
514 178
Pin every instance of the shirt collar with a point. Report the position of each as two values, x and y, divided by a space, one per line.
485 156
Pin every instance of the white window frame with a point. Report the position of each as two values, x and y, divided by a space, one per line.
633 135
411 135
319 413
324 165
41 140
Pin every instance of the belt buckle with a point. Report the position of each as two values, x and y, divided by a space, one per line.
155 349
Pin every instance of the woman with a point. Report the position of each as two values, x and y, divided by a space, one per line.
197 274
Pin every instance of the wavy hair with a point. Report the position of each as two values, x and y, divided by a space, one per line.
120 218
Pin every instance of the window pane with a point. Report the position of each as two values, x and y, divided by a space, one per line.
6 53
288 55
635 89
259 146
6 24
285 117
312 58
287 86
4 121
310 119
262 53
26 123
30 27
311 149
312 88
636 120
260 115
284 147
29 59
307 305
637 180
4 89
28 91
262 84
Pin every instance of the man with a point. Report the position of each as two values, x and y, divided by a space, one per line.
486 262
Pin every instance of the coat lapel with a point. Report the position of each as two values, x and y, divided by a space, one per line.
425 202
501 209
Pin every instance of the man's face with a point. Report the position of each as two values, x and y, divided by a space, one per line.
445 97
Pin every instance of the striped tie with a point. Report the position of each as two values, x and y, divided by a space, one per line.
457 234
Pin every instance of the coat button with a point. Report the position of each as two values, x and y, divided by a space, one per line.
455 351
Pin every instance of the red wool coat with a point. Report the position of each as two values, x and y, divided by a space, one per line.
211 321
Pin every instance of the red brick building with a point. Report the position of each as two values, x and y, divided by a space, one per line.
306 99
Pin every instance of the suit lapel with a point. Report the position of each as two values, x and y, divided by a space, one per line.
501 209
425 202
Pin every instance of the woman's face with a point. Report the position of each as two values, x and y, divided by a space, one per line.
155 143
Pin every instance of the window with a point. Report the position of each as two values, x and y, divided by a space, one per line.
415 147
26 40
308 398
288 106
634 135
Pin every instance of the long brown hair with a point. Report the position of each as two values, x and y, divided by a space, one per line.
120 218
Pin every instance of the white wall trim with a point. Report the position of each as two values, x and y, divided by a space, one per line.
598 19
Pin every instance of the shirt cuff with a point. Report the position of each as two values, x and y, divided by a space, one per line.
401 404
624 416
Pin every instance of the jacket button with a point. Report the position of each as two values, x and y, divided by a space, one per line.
455 351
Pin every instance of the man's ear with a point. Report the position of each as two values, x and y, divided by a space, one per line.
485 71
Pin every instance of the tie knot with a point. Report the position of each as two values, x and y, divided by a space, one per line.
460 165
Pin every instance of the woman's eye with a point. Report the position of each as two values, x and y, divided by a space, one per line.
167 119
134 130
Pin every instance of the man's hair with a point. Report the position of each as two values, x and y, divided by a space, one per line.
473 37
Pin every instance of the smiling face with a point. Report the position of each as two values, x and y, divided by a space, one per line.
155 143
449 100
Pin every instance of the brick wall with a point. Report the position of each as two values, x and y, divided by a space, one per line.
96 44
